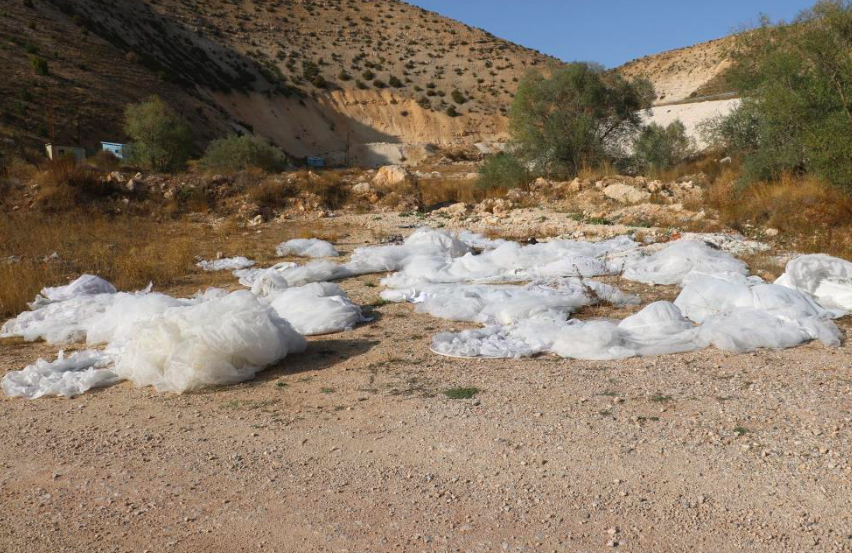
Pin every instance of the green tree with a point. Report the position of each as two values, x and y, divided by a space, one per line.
796 83
161 140
578 116
502 170
237 153
657 148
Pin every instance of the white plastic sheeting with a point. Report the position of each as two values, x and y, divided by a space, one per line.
86 285
317 308
306 247
672 264
221 341
218 338
505 305
827 278
66 376
226 264
511 262
152 339
735 315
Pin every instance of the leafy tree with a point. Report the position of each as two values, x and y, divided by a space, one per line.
502 170
796 80
658 148
237 153
578 116
161 140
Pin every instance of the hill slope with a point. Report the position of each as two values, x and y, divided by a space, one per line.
687 73
313 76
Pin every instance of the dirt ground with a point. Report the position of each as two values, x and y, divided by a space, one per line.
353 447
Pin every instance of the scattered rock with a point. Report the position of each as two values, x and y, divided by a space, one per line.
626 194
391 175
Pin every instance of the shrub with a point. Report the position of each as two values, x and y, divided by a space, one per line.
395 82
39 65
104 160
237 153
578 116
65 185
458 97
379 84
502 171
657 148
273 193
161 140
368 75
796 81
452 112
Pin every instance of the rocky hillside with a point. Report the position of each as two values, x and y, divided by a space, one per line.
686 74
318 77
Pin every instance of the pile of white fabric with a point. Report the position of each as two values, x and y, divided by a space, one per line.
306 247
719 306
177 344
226 264
172 344
827 278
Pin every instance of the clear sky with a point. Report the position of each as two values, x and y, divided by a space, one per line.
610 32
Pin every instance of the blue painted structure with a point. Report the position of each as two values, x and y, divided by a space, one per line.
116 149
315 162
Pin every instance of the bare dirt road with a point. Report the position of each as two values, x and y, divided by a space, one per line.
353 446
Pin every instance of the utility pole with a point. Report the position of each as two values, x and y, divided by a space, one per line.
348 146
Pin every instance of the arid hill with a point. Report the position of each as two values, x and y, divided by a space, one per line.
316 77
686 74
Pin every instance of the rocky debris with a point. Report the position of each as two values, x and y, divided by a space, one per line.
545 187
135 183
116 177
391 175
364 191
455 210
497 206
626 194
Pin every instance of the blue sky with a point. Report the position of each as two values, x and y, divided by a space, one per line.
610 32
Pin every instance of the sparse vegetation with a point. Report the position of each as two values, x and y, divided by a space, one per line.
796 116
658 148
161 140
578 116
39 65
461 393
128 251
502 170
237 153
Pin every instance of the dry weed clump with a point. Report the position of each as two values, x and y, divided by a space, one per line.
442 192
66 185
814 215
130 252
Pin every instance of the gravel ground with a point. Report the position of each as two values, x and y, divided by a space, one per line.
353 446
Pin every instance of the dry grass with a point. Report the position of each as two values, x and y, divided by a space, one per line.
129 252
606 169
65 185
438 192
812 215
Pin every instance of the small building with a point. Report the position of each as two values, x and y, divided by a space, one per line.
116 149
55 151
315 162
